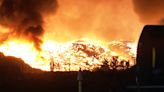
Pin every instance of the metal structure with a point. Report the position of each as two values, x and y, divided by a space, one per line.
150 59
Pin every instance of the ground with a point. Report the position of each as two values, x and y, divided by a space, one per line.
19 77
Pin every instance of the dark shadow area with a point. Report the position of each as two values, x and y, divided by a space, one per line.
150 60
150 55
16 76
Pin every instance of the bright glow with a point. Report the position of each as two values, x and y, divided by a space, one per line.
84 53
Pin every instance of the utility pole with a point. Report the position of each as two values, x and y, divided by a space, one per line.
79 78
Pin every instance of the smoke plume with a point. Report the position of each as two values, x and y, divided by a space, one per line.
150 11
25 17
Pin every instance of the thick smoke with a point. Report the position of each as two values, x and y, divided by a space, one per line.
25 17
150 11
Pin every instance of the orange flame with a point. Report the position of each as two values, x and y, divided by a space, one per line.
99 20
85 54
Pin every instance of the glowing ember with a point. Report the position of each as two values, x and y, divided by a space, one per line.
70 56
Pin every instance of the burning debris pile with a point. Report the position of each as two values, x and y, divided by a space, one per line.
89 55
85 54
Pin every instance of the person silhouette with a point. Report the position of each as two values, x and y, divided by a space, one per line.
52 65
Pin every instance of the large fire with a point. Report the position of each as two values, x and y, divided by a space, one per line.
52 34
70 56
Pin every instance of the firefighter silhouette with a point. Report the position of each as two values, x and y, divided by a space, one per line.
127 64
52 64
114 62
